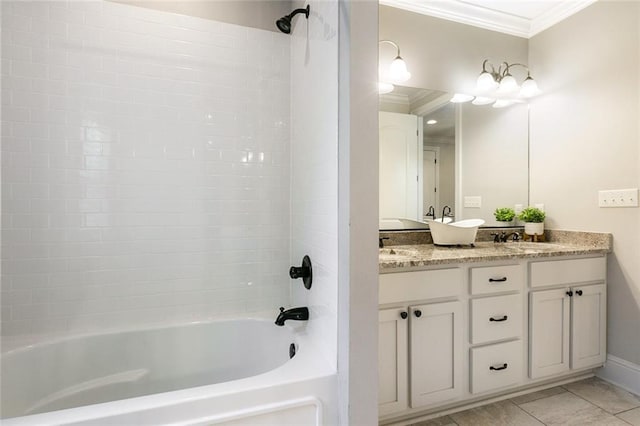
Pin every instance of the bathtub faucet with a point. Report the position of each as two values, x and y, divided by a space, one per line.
298 314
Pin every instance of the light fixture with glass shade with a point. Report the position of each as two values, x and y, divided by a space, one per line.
500 82
396 73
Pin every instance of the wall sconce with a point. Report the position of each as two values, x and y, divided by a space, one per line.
503 83
397 72
499 87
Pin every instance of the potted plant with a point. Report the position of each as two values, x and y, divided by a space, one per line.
504 214
533 219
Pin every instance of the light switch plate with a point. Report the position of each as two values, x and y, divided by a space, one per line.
473 201
618 198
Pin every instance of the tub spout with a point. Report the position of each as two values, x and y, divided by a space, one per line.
298 314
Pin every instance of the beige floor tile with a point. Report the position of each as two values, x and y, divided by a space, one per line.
605 395
503 413
567 409
631 416
440 421
537 395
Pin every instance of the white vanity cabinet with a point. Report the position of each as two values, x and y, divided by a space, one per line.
420 341
453 336
567 324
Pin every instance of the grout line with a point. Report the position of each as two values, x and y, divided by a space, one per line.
541 397
526 412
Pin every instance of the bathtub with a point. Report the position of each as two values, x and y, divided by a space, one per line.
220 372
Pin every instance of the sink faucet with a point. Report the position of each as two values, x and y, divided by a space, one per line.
503 237
431 213
381 241
298 314
446 212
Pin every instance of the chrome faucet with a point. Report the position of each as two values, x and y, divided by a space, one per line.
431 213
298 314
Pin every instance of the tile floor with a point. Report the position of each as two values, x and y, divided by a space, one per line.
587 402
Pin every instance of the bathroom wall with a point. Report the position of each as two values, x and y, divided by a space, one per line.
445 55
585 137
145 167
248 13
314 168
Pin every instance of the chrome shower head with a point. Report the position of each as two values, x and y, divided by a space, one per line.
284 23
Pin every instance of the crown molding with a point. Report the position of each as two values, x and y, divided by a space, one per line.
478 16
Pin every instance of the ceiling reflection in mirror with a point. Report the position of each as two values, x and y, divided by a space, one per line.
436 154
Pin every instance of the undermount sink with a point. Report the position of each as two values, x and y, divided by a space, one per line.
455 233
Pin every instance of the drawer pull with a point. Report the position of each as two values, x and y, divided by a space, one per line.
504 367
417 313
504 318
579 292
497 280
403 315
569 293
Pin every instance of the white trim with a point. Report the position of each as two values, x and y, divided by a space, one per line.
621 373
490 19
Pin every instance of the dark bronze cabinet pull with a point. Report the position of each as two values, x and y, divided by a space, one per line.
569 293
497 280
417 313
504 367
504 318
403 315
579 292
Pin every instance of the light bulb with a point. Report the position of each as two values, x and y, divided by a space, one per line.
398 70
529 88
508 85
485 82
385 88
432 122
459 98
501 103
483 101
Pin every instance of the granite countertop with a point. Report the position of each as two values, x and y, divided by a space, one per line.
566 244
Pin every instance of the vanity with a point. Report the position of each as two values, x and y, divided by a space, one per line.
464 326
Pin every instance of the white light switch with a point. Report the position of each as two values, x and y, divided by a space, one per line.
618 198
473 201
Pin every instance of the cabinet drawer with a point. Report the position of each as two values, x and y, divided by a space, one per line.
496 366
496 318
559 272
419 285
496 279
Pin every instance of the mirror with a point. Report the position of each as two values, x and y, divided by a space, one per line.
471 158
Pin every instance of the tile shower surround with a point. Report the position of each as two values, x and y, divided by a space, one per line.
145 167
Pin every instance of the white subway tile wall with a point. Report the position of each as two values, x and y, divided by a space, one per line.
145 167
314 170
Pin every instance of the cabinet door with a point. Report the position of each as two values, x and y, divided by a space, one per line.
392 361
588 326
548 332
435 352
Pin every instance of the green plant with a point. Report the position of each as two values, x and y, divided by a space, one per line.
504 214
532 214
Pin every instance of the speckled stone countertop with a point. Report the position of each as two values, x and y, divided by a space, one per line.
560 243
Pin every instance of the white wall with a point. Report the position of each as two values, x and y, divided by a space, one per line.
314 168
145 167
585 137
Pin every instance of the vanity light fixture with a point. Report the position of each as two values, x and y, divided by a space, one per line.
503 83
460 98
481 100
397 72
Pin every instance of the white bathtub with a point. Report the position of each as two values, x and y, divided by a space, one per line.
231 372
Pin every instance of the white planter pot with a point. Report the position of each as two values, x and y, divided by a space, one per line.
504 224
531 228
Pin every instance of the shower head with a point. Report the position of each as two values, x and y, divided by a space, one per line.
284 23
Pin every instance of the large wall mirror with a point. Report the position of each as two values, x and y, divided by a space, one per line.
434 153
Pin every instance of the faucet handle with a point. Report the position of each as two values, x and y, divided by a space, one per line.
281 309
